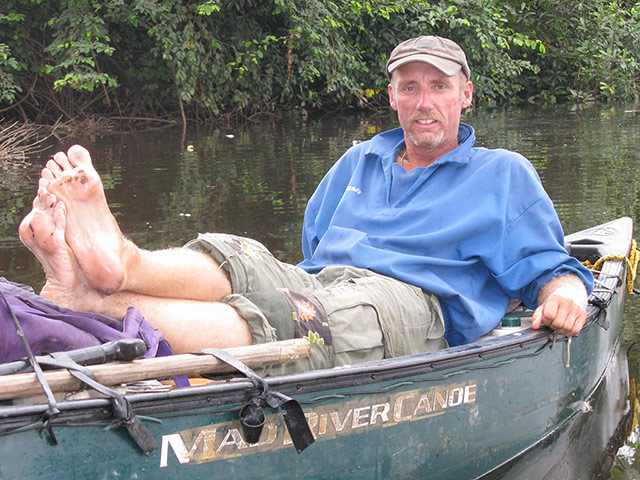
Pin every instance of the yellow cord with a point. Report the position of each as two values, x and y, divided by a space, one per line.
632 264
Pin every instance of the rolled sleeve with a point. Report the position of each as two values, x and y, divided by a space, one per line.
533 253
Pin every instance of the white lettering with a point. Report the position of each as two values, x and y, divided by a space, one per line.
381 410
397 408
456 395
335 418
207 436
232 437
470 393
423 404
440 401
360 415
175 442
312 421
322 428
407 406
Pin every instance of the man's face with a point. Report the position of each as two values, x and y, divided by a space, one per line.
429 105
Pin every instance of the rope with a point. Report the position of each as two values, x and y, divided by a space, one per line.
632 264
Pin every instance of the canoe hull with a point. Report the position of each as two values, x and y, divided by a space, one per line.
517 406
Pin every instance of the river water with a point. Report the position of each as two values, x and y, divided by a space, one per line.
255 180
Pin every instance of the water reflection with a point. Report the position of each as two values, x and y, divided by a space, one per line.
256 180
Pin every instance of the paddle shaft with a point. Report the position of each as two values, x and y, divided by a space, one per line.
25 384
125 349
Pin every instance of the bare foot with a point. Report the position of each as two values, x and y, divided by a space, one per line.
92 232
43 232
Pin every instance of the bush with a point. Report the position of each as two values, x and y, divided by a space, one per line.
202 59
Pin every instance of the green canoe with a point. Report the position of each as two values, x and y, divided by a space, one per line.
518 403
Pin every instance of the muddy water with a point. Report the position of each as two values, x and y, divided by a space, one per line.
255 180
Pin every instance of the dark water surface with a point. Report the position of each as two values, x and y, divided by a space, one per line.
256 180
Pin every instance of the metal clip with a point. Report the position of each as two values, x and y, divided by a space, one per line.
568 363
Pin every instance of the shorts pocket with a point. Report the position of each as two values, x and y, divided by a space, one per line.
412 321
355 326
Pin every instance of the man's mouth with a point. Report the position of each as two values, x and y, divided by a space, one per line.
427 121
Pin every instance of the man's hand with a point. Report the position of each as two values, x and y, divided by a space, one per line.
562 305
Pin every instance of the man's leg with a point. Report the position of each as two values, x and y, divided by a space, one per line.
188 325
112 263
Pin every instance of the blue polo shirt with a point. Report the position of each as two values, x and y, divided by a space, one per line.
476 228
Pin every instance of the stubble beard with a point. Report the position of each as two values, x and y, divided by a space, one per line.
425 139
430 141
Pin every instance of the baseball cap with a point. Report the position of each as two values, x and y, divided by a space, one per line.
444 54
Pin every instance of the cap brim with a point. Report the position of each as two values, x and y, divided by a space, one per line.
447 67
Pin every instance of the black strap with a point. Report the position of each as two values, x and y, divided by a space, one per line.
601 319
292 412
52 409
121 407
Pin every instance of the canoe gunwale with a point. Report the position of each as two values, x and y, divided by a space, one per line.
295 384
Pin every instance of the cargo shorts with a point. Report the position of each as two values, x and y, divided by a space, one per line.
349 315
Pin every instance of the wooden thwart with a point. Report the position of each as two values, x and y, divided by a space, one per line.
286 351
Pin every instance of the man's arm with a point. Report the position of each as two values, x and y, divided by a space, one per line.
562 305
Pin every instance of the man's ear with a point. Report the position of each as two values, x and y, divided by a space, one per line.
392 100
468 95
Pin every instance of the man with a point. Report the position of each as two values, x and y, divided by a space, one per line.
412 236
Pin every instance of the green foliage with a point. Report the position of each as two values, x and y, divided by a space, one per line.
204 58
9 65
591 50
497 53
80 39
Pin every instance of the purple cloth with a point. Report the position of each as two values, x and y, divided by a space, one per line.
51 328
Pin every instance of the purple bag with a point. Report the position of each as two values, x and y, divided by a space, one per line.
51 328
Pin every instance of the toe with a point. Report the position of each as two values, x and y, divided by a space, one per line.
60 216
78 155
51 201
63 161
40 202
25 230
46 175
54 167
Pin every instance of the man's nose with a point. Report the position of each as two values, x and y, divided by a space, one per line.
425 100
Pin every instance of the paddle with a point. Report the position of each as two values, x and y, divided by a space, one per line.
25 384
125 349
